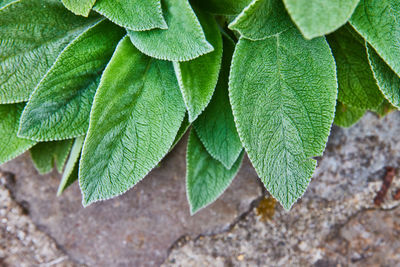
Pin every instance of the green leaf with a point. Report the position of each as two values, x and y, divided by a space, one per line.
60 106
388 81
216 127
346 116
136 115
378 23
283 101
206 178
320 17
11 146
357 85
79 7
222 7
184 40
197 78
32 35
181 132
45 155
136 15
261 19
3 3
383 109
70 174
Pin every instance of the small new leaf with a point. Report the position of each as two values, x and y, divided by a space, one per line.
79 7
47 154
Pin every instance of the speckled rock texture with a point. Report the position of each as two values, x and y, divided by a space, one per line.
336 223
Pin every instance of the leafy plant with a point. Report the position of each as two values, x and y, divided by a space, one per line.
107 90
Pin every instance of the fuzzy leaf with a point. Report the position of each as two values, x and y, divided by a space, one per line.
183 40
378 23
181 132
3 3
283 101
136 15
206 178
357 85
45 155
222 7
320 17
70 174
32 35
60 106
216 127
79 7
11 146
197 78
346 116
136 115
388 81
261 19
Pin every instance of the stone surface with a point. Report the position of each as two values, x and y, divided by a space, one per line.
335 224
136 229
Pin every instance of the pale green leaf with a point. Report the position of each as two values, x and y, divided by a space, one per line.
283 101
357 85
223 7
197 78
11 146
216 127
79 7
136 15
378 22
183 40
181 132
32 35
206 178
346 116
319 17
136 115
3 3
261 19
60 106
388 81
70 174
47 154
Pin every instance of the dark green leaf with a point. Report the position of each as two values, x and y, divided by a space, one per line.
224 7
347 116
47 154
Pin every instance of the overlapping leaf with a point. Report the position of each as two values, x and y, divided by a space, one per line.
320 17
5 2
60 106
79 7
47 154
378 23
357 85
216 127
261 19
183 40
136 15
32 35
11 146
283 101
206 178
197 78
224 7
136 115
346 116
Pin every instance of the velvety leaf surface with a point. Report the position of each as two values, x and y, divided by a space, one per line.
319 17
357 85
79 7
216 127
11 146
136 15
45 155
387 79
378 23
136 115
197 78
182 41
182 131
206 178
60 106
5 2
283 101
32 35
224 7
71 171
346 116
261 19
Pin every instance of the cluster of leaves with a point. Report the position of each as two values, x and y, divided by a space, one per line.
108 89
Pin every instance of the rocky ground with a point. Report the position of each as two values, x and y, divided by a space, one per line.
336 223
